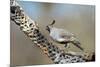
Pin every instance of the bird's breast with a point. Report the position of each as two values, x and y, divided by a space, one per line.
55 36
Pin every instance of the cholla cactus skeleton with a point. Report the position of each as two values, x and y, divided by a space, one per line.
31 29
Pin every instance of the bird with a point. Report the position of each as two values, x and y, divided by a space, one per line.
62 36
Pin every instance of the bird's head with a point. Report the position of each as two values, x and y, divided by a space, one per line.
50 26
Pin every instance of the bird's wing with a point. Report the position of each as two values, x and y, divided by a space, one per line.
60 34
65 34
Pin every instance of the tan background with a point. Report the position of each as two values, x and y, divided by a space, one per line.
79 19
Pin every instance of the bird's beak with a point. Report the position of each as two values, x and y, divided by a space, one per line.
47 28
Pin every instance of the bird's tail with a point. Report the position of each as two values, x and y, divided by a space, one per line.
77 44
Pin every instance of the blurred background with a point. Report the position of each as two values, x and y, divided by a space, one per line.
78 19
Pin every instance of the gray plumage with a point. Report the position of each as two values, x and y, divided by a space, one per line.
62 36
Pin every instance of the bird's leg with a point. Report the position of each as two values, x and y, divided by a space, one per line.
66 45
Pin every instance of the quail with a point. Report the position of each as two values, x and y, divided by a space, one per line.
62 36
